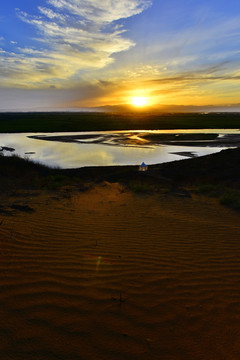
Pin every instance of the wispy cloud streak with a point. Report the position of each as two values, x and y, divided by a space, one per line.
74 36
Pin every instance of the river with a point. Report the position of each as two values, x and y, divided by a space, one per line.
105 148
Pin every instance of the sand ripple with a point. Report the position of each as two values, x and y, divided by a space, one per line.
107 274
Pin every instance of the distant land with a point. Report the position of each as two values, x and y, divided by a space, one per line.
123 108
106 121
172 108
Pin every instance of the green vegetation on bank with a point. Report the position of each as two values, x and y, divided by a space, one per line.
80 121
231 198
216 175
17 173
227 196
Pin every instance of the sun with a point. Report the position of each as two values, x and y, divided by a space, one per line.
139 101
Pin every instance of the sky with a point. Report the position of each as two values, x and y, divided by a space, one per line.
75 54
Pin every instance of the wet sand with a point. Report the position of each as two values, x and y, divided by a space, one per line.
108 274
190 154
141 138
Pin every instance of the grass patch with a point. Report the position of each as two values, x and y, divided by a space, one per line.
16 173
212 190
231 198
55 181
141 188
227 196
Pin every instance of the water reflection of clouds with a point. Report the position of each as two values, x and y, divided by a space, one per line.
70 155
67 155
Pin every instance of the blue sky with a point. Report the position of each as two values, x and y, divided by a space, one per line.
65 54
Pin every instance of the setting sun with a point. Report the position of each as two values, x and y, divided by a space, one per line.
139 101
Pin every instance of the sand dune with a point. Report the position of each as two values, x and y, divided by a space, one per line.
108 274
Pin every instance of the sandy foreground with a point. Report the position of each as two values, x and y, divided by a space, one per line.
108 274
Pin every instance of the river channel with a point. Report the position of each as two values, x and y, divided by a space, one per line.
106 148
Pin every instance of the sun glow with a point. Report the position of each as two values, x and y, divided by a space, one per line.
139 101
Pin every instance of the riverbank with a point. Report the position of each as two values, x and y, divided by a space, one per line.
222 167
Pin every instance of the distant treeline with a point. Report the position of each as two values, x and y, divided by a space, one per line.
96 121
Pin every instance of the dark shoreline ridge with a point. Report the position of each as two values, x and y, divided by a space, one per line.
80 121
216 175
222 167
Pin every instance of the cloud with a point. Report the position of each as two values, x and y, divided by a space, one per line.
73 37
50 13
101 12
209 74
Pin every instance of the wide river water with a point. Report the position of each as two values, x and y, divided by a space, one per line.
107 151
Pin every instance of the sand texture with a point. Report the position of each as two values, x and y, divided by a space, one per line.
107 274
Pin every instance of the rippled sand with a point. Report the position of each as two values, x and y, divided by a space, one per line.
107 274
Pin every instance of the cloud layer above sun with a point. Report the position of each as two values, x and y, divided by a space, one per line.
71 36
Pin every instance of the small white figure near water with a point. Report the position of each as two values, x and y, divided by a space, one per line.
143 167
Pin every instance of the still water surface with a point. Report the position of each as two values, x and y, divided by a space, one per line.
84 153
